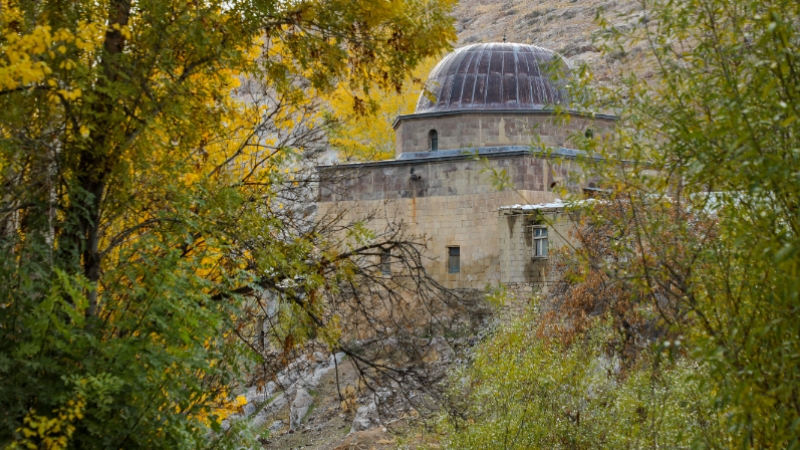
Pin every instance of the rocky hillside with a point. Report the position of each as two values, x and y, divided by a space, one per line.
566 26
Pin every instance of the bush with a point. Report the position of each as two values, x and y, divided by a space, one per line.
524 391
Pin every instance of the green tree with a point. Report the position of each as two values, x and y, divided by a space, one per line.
143 148
703 168
696 241
526 390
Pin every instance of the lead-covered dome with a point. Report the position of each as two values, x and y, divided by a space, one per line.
499 76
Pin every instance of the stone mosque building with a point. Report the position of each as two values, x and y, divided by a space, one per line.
498 101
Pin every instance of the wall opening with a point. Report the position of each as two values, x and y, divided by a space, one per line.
386 262
453 259
540 241
433 140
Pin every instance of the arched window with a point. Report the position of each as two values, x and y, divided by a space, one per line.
433 139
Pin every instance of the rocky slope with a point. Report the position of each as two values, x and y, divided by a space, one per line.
566 26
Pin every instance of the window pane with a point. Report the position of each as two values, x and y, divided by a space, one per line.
385 265
454 260
540 247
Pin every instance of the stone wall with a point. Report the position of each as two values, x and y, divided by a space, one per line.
449 202
476 129
452 202
468 221
444 177
515 244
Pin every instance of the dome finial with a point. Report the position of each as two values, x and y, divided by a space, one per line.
504 36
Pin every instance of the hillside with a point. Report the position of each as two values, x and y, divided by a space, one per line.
566 26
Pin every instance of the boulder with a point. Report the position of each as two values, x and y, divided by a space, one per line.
366 418
259 420
302 401
276 426
275 406
318 374
258 396
339 357
248 409
319 357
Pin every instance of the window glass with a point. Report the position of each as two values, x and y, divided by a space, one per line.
540 242
453 259
385 266
433 137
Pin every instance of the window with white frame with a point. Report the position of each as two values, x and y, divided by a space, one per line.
540 242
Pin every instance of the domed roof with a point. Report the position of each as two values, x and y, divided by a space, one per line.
497 76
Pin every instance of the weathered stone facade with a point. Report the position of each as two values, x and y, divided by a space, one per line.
451 202
445 194
518 265
490 129
445 177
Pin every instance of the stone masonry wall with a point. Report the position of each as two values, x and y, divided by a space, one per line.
515 244
485 129
447 177
468 221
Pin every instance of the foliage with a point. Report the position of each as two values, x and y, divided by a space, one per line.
362 129
694 240
524 391
702 175
143 154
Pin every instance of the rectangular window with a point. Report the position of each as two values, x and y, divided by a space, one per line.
453 259
539 242
386 261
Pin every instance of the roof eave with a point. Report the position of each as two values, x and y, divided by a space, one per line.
432 114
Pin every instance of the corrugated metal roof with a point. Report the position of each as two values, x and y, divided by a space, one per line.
497 76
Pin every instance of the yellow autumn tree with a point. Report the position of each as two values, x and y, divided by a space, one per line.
143 147
363 121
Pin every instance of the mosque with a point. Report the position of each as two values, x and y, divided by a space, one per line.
496 101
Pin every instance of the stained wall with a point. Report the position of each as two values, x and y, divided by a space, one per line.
449 202
515 244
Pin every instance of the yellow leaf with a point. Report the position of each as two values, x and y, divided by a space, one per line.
241 400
